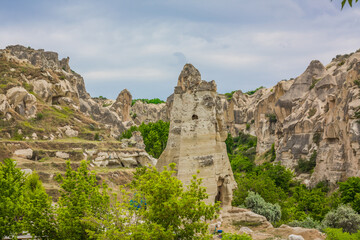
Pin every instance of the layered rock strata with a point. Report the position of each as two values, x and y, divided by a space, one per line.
197 135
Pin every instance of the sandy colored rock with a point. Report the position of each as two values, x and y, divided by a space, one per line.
197 135
24 153
122 105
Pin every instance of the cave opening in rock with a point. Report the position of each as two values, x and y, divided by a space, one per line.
195 117
220 190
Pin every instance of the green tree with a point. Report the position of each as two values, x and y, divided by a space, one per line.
160 209
39 219
350 2
257 204
343 217
24 204
12 184
350 192
80 197
155 136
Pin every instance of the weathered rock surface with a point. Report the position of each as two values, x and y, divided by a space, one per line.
122 105
313 112
148 112
197 135
41 73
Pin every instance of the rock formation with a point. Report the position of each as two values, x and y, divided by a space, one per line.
30 73
122 105
316 114
197 135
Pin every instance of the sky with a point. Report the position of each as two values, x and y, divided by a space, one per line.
142 45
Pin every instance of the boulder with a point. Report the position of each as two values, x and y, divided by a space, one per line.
24 153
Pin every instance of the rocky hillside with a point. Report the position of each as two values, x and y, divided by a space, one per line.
312 117
47 117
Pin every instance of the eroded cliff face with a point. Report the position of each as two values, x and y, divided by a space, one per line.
315 114
28 74
197 135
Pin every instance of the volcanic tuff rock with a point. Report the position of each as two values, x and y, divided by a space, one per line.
28 73
122 105
197 135
315 114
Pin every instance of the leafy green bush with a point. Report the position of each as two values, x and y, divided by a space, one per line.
357 82
306 166
24 204
144 100
311 112
317 138
254 91
314 82
257 204
308 222
338 234
260 184
155 136
39 116
350 192
167 214
343 217
97 137
233 236
272 117
229 95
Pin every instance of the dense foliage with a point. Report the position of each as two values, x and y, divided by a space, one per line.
343 217
160 210
300 205
155 136
153 101
24 204
154 206
257 204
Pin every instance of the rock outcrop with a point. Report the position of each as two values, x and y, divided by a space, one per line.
314 115
30 74
122 105
197 135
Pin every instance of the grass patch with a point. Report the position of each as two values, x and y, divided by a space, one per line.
312 112
314 82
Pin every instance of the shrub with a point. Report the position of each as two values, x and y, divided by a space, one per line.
155 136
338 234
272 117
311 112
343 217
317 138
39 116
314 82
254 91
357 82
144 100
306 223
306 166
248 126
97 137
260 184
350 192
257 204
229 95
233 236
62 77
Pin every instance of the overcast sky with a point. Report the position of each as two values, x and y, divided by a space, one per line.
142 45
